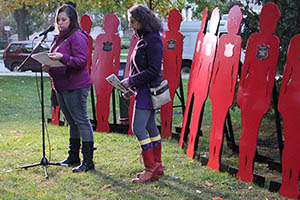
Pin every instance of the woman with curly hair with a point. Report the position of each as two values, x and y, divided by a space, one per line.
145 72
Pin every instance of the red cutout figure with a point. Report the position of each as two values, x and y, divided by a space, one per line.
106 60
55 110
192 86
133 42
173 41
86 25
203 78
256 85
222 87
288 106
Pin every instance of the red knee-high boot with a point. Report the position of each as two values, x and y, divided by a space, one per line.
157 158
150 172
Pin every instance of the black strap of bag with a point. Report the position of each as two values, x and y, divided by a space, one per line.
160 91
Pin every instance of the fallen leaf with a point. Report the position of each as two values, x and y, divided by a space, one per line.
191 162
208 184
105 187
15 132
217 198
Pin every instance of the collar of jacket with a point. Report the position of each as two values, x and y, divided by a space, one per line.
62 34
144 31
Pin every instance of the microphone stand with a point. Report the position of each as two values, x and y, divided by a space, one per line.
44 162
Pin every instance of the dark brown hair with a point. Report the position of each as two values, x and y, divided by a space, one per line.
71 13
145 17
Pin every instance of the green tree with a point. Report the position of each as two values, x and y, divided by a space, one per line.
223 5
288 25
120 7
27 11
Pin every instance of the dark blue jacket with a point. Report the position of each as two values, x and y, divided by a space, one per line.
147 55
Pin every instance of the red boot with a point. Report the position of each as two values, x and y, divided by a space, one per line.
158 162
157 157
149 172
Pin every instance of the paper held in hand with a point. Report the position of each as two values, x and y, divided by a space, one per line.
43 58
114 80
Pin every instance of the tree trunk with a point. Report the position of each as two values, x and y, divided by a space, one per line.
20 17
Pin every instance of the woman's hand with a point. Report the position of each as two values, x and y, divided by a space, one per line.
55 56
125 82
46 68
127 95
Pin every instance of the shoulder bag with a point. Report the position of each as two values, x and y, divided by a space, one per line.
160 95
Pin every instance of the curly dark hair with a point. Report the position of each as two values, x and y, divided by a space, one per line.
145 17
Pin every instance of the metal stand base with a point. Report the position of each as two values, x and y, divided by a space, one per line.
44 162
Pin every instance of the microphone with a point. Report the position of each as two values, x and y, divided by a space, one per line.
45 32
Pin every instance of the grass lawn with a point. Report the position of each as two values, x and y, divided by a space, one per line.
117 158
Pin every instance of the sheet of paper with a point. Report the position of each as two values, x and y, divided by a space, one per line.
43 58
114 80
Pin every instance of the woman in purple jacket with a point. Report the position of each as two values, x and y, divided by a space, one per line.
145 69
72 84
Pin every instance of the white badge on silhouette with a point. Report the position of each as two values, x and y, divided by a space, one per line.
208 49
228 50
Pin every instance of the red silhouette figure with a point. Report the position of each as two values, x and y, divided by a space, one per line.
55 110
133 42
173 42
106 60
256 85
222 86
203 78
288 106
86 24
192 85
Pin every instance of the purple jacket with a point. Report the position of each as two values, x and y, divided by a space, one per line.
147 56
75 74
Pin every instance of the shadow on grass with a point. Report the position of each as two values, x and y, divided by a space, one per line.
166 187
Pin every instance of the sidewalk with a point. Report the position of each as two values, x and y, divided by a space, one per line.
38 74
6 72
